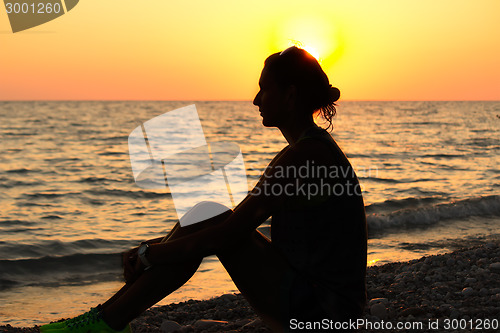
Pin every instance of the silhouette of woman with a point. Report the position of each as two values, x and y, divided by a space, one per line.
314 267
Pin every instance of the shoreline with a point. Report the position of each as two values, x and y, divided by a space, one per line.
457 291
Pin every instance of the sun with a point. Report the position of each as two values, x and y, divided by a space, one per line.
314 34
308 47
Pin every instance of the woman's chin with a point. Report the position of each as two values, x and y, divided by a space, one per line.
267 124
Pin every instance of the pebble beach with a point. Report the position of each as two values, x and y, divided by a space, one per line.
453 292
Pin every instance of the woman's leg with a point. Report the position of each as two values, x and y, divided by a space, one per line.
259 272
256 268
120 292
151 287
154 284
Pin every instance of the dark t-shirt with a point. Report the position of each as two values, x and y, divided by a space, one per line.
322 234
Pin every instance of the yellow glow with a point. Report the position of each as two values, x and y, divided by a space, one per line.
312 51
312 33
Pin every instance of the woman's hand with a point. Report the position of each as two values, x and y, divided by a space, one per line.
132 265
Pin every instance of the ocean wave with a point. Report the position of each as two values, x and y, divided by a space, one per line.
7 134
57 271
47 195
37 249
443 166
92 180
21 170
51 217
447 156
450 243
392 205
7 183
128 194
62 159
17 231
118 138
431 214
16 223
105 192
52 271
484 142
397 181
113 153
32 204
380 180
52 265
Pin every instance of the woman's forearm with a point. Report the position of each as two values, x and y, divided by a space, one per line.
210 236
198 244
207 237
154 241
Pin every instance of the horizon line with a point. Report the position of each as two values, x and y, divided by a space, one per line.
240 100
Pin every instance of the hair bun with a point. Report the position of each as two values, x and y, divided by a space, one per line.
334 93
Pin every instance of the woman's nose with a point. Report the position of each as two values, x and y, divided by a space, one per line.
256 100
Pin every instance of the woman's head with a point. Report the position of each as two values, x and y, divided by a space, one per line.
295 68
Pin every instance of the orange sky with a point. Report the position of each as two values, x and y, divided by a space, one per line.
214 50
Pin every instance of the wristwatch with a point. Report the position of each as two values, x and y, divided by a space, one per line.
142 252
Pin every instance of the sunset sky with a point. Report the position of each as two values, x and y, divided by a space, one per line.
214 50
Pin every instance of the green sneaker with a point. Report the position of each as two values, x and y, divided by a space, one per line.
93 325
94 312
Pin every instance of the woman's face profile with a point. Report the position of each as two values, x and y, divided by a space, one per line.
271 100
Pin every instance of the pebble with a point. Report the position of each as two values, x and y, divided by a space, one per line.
445 306
168 326
495 267
484 292
468 291
378 310
384 301
229 297
470 280
186 329
207 323
414 311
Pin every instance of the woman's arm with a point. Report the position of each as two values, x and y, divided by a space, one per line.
207 237
155 240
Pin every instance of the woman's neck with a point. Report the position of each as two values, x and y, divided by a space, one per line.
295 129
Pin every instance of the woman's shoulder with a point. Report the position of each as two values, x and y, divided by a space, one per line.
320 146
315 147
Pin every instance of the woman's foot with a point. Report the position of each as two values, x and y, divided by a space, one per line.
60 324
89 322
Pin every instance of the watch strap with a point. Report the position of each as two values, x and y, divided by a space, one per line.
142 254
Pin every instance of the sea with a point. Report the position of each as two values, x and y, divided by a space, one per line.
69 203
